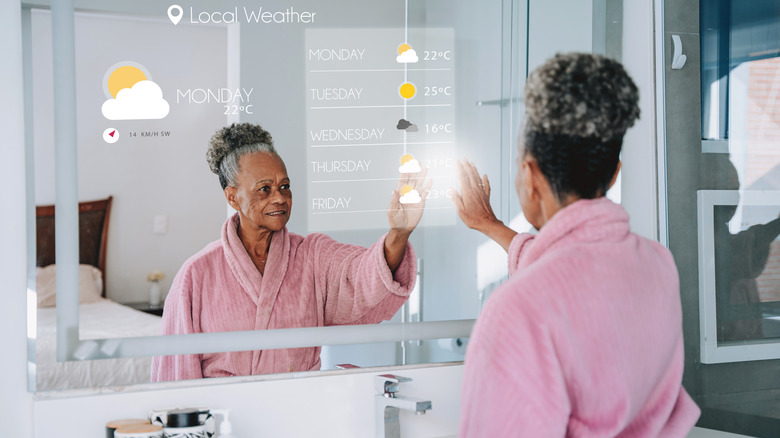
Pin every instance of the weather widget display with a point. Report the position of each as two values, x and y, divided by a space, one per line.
380 104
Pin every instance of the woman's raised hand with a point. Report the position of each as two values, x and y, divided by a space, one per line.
405 216
473 205
473 201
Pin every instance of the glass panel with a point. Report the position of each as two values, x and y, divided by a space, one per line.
727 160
740 82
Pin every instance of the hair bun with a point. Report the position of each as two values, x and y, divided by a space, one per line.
233 137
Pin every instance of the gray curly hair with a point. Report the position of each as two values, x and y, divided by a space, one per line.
578 107
230 143
581 95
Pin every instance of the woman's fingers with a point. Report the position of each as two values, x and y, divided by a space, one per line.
486 185
427 187
420 179
465 182
403 180
457 200
473 175
469 175
469 178
395 200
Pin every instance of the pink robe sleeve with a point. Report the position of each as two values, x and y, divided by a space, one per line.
513 384
519 243
177 319
356 283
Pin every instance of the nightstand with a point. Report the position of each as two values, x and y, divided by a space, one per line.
145 307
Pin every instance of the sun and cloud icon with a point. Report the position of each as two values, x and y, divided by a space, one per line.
409 195
409 164
131 94
406 55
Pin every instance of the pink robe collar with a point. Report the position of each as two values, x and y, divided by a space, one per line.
262 289
585 220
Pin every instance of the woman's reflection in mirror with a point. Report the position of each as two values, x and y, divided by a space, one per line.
585 338
260 276
740 258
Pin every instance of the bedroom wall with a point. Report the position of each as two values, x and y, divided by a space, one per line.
147 176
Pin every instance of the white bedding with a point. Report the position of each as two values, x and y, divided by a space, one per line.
98 320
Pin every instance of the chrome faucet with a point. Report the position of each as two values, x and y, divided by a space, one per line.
389 405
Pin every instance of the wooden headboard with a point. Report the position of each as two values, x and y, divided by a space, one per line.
93 234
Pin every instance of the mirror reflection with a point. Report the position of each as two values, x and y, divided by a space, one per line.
739 65
354 96
747 258
368 103
261 276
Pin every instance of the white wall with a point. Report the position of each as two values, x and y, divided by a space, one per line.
558 26
15 403
147 176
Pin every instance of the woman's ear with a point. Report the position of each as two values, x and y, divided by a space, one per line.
527 179
535 182
230 195
614 177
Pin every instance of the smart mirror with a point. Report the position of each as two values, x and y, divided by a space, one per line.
165 203
324 78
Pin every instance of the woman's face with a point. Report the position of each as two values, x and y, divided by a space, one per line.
262 194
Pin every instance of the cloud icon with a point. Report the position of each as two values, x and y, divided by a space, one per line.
403 124
411 197
409 56
141 102
411 166
412 128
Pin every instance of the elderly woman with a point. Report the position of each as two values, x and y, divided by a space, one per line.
585 338
261 276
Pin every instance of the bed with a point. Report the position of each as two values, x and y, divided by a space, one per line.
99 317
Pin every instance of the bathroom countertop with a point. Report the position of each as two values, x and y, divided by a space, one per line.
754 413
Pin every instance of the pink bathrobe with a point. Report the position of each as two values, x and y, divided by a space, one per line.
309 281
584 339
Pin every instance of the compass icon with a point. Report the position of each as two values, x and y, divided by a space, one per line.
110 135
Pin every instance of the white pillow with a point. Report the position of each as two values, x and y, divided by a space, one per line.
90 285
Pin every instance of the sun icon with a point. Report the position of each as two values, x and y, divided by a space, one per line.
407 90
403 47
123 75
406 189
406 158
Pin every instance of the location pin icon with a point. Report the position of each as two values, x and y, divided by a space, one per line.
175 13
